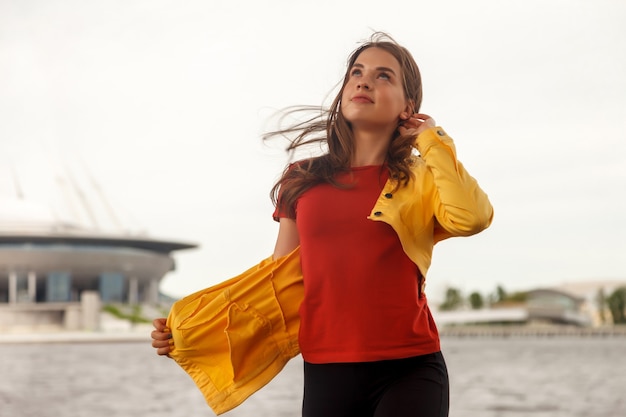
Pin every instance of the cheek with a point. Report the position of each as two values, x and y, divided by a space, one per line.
396 103
344 93
344 109
345 101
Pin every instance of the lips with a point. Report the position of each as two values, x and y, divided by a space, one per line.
361 98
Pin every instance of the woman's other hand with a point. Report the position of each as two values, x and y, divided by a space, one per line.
416 124
161 337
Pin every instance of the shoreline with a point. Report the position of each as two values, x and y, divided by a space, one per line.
531 331
125 336
142 334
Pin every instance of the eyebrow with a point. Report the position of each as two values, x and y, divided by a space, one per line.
377 68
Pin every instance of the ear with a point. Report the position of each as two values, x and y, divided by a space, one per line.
408 110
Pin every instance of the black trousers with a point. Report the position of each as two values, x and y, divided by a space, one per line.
411 387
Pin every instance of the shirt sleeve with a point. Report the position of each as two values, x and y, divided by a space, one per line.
281 211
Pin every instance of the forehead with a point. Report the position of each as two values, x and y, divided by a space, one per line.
378 57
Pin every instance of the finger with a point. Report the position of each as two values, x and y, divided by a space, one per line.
422 116
156 335
161 343
159 323
159 335
163 351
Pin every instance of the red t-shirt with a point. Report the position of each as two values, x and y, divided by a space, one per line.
361 292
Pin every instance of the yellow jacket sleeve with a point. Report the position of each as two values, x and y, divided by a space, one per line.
460 206
233 338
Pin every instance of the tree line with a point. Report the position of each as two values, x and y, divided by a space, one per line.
615 303
454 299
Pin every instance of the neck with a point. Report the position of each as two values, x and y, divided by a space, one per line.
370 148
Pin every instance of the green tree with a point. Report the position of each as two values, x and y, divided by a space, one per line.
601 305
453 300
476 300
518 296
617 305
501 296
498 296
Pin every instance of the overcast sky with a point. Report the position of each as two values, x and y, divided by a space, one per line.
164 103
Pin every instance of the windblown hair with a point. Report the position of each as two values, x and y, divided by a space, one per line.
330 128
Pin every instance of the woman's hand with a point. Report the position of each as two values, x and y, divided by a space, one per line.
161 337
416 124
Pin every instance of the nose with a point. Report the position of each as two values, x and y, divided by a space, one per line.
363 84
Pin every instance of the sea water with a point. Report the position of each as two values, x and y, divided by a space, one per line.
489 377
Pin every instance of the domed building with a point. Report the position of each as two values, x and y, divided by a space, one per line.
53 271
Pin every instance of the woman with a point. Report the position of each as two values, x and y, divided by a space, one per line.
363 218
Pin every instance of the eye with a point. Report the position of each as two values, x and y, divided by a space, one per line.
355 71
384 76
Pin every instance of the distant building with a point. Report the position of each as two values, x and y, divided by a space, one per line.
49 266
55 273
575 303
556 306
592 292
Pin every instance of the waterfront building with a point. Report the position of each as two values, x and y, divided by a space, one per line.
557 306
578 303
56 272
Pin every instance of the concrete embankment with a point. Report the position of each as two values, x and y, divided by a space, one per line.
75 337
531 331
141 333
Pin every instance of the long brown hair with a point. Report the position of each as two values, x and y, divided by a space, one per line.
329 128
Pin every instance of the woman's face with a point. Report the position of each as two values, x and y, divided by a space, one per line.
373 96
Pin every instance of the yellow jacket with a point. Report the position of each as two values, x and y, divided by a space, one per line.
233 338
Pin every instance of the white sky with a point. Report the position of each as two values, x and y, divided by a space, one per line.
165 102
